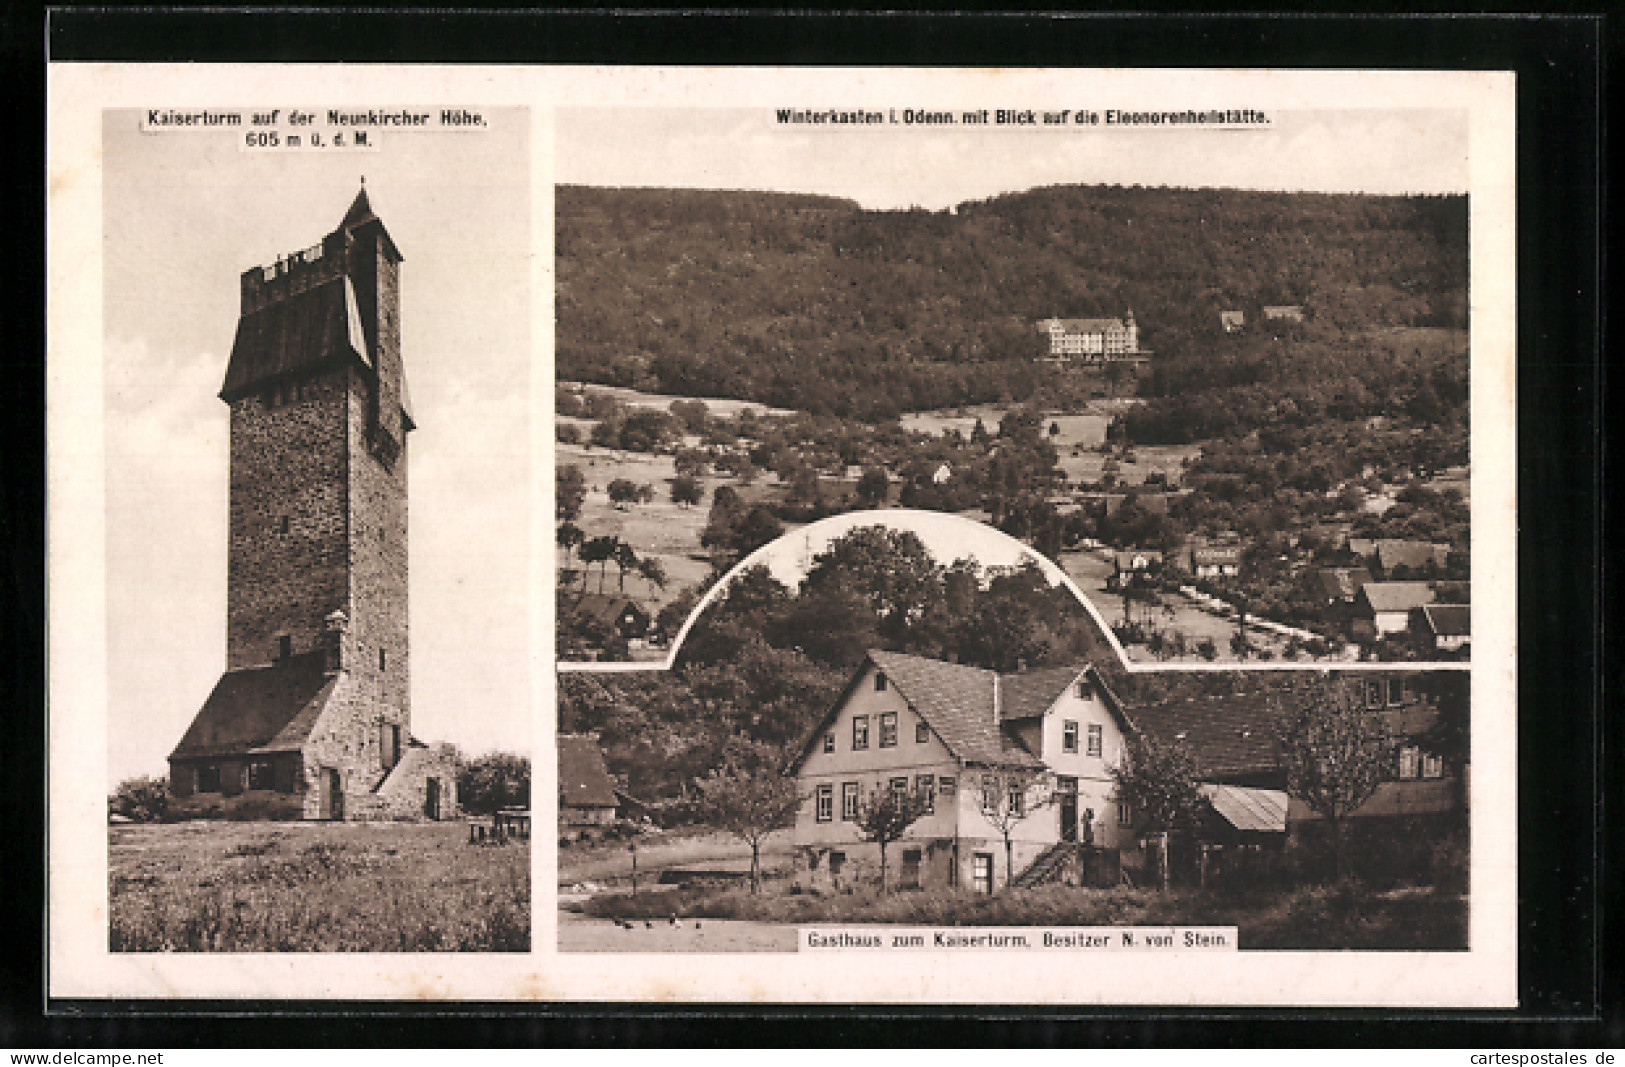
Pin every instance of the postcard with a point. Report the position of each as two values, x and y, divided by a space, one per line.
921 529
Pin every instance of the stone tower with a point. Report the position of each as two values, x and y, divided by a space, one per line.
317 572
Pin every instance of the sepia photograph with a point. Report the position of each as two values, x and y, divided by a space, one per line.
1024 544
996 516
318 720
1220 376
865 727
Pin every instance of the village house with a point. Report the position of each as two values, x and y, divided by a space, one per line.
1232 321
1284 312
613 612
1213 561
1134 565
1337 585
1384 608
1092 340
313 717
1443 627
1236 747
588 800
1390 553
952 733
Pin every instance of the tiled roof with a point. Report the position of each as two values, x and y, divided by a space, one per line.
260 709
1022 696
1413 554
1396 596
584 781
1226 735
957 702
1341 582
605 609
1248 808
319 327
1216 554
1449 620
1087 325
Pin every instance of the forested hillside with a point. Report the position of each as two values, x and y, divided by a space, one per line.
815 303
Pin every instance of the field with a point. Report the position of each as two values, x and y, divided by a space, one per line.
315 887
667 531
719 406
1090 570
1087 465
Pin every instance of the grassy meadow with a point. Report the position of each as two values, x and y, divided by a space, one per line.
315 887
1349 917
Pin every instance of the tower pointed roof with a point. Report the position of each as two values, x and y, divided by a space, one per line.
361 216
360 209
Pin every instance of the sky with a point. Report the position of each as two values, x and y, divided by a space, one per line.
889 166
184 214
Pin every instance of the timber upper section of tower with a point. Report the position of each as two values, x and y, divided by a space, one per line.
336 302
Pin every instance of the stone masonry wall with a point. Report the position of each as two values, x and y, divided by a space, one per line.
288 463
378 572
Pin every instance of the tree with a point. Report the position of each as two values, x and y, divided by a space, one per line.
625 559
495 781
1336 753
872 487
1158 783
651 570
749 798
599 550
884 815
140 799
624 491
570 493
1009 794
569 537
686 491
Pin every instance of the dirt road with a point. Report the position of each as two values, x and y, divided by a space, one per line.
577 933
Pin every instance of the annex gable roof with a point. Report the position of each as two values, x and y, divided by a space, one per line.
260 709
1248 808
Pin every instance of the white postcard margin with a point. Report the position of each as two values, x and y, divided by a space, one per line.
80 965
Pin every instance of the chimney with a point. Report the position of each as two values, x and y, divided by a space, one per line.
333 639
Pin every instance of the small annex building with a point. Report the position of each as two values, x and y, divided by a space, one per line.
589 800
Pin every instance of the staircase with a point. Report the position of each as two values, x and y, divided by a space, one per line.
1051 865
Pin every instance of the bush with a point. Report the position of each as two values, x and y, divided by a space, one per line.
492 782
140 799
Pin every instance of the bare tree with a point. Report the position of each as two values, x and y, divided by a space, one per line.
1336 753
750 798
1009 795
884 816
1158 783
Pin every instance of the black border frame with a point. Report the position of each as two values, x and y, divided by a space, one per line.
1564 590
